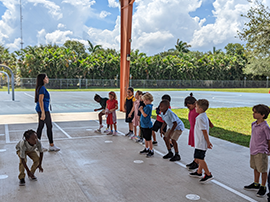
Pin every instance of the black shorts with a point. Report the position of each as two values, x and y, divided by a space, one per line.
157 126
129 120
199 154
146 133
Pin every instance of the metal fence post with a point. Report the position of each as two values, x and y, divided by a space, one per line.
86 83
60 83
245 82
267 81
80 83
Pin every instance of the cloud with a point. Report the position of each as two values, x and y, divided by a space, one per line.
60 25
113 3
58 37
54 9
104 14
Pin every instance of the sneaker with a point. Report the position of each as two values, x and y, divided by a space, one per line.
53 148
252 186
155 143
131 136
107 130
98 131
169 155
115 133
193 166
110 133
261 191
101 126
176 157
188 165
145 151
150 153
128 133
195 174
206 178
22 182
44 149
32 178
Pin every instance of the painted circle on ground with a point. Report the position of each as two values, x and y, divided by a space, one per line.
3 177
3 150
138 161
193 197
108 141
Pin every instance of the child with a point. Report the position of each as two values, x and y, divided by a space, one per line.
190 103
111 106
259 148
27 147
158 123
202 142
141 106
128 106
135 108
102 102
146 124
176 127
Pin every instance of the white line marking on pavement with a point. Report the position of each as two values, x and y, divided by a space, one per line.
2 134
218 183
29 95
7 134
62 130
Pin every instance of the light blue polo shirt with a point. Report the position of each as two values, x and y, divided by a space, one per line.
169 117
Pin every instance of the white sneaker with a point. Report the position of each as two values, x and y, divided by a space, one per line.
115 133
54 148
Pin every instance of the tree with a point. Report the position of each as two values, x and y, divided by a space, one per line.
92 48
76 46
235 49
181 47
257 35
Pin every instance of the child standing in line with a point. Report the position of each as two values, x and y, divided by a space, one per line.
27 147
136 119
202 142
146 124
176 127
158 123
259 148
102 102
128 107
190 103
111 106
141 106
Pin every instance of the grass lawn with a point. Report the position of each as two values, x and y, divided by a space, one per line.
231 124
244 90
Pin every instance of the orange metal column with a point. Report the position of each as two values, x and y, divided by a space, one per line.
126 26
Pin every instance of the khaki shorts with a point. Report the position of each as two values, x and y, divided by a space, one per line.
175 135
259 162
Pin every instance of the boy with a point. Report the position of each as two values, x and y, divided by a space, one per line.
102 102
27 147
259 148
158 123
176 127
146 124
202 142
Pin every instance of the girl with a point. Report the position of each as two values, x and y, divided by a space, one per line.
42 100
128 107
190 103
136 119
111 106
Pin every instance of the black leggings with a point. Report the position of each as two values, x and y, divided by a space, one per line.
48 122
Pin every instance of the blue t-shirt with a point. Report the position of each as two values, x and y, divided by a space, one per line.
146 121
46 99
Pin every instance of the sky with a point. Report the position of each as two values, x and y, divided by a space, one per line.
157 24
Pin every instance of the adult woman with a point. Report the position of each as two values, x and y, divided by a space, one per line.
42 100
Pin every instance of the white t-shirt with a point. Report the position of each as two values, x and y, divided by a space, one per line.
202 123
24 146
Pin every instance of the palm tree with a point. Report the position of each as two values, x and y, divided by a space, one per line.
92 48
182 47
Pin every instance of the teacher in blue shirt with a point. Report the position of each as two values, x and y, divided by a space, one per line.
42 100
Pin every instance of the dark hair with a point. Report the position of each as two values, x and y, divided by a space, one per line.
27 134
97 96
165 102
190 99
262 109
139 92
203 103
166 97
39 84
131 89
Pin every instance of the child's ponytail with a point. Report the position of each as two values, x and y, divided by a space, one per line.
190 99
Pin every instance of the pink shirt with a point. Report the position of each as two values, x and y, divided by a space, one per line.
192 119
259 138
